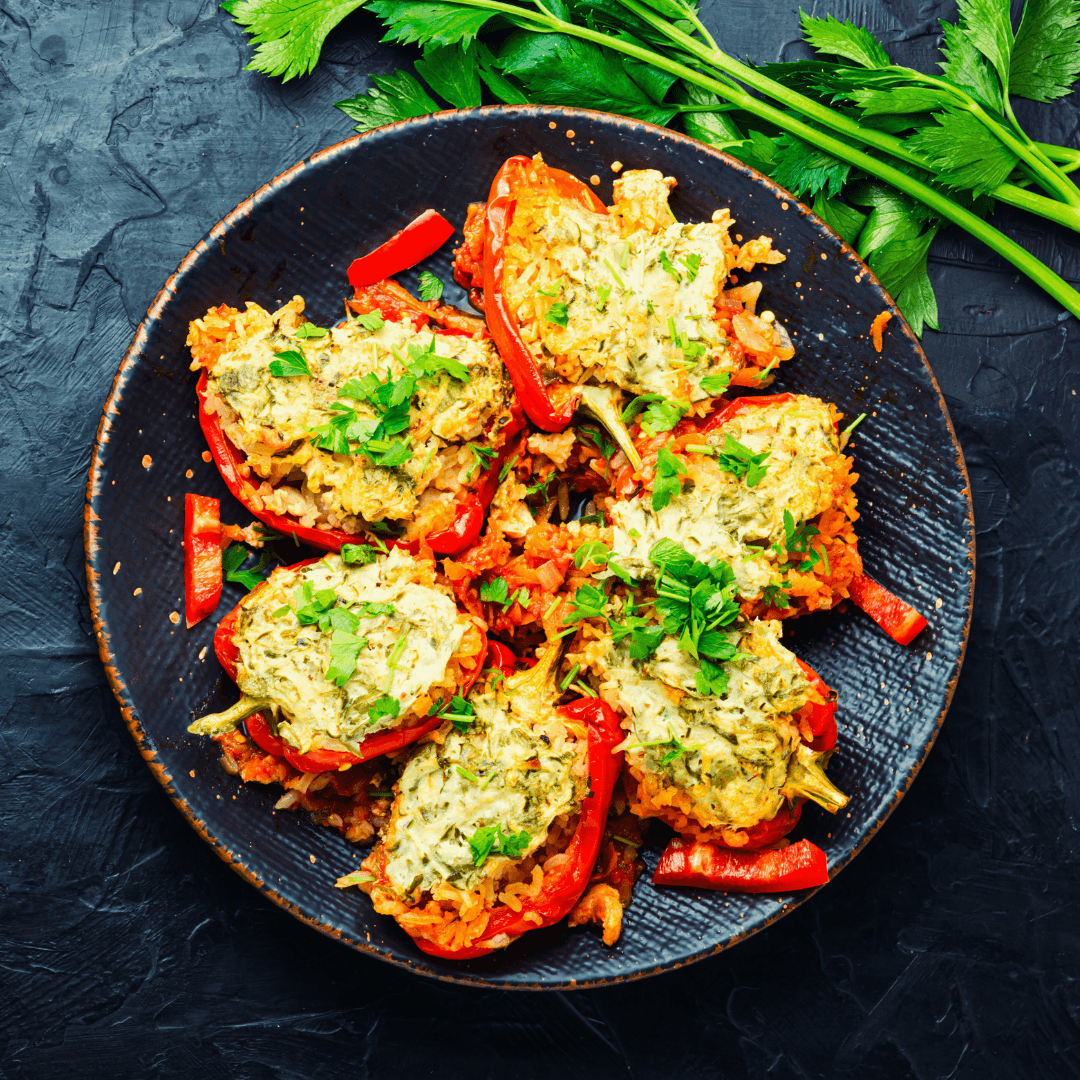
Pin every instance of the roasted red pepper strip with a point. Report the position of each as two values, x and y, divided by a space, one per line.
202 557
517 174
898 619
423 236
707 866
822 716
259 730
563 886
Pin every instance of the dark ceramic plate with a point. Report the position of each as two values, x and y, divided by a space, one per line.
298 235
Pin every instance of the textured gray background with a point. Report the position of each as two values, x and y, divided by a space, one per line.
948 948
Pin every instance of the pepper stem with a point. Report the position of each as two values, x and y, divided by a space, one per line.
600 403
219 723
807 778
532 691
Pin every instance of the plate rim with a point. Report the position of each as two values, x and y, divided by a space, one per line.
94 484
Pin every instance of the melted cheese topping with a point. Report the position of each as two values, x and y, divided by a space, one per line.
743 742
719 516
621 298
273 415
524 779
285 662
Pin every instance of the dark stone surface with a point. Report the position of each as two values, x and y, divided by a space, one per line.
948 948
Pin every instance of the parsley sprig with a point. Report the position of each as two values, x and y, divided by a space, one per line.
234 557
491 840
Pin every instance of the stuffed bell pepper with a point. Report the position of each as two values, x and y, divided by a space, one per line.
584 301
387 423
339 663
496 827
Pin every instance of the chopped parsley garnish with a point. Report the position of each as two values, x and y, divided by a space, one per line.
611 271
309 331
542 485
589 603
638 404
234 557
395 656
597 552
603 292
358 553
558 314
776 596
371 320
692 262
283 610
797 540
384 706
482 458
645 635
668 267
692 350
662 415
504 472
714 385
694 600
490 839
495 592
289 363
345 647
666 484
425 363
458 711
463 772
740 461
570 677
599 440
431 288
552 290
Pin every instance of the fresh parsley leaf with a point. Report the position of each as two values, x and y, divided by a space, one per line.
344 652
844 39
431 288
901 268
714 385
776 596
358 553
599 440
711 679
234 557
593 551
967 67
453 72
483 457
392 98
491 838
371 320
806 170
740 461
963 151
289 363
384 706
495 591
558 315
844 220
289 33
662 415
669 268
283 610
589 603
637 405
692 263
562 70
427 363
666 483
458 711
1046 54
409 22
309 331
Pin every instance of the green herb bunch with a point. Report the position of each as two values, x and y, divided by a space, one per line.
887 154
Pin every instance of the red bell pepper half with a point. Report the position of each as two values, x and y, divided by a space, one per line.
423 236
707 866
517 175
202 557
563 886
260 732
898 619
